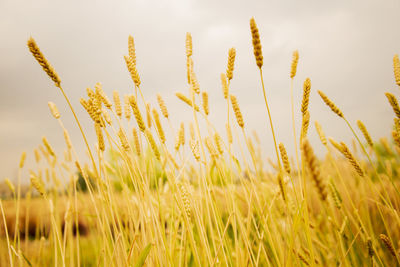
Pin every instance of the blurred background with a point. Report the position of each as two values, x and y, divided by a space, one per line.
345 47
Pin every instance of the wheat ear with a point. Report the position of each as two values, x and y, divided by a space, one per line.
100 138
10 185
321 133
131 49
117 103
54 110
185 199
346 152
127 107
189 45
48 147
136 141
162 105
132 70
225 88
218 143
306 96
194 146
152 144
365 132
388 244
330 104
124 140
205 103
159 126
285 158
396 69
136 112
236 110
393 102
231 63
34 48
186 100
313 166
22 160
257 50
295 60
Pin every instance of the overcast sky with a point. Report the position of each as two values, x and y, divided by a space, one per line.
346 48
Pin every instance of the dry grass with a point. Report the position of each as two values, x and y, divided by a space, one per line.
139 202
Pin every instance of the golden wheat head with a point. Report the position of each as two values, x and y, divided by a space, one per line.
34 48
330 104
313 166
256 43
396 69
295 60
231 63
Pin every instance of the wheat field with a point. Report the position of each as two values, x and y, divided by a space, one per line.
154 191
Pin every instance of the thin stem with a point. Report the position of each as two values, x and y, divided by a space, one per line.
294 134
270 120
80 128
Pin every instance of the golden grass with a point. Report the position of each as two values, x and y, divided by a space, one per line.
144 200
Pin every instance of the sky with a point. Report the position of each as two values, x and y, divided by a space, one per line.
346 49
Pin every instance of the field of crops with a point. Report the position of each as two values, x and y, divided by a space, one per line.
204 198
